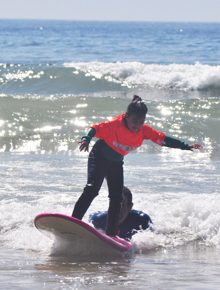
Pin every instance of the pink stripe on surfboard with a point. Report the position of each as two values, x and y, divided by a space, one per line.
117 243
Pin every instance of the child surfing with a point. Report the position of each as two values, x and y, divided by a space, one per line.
117 137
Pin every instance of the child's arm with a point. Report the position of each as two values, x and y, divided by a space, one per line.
84 144
175 143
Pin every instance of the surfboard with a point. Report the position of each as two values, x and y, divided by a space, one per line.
62 227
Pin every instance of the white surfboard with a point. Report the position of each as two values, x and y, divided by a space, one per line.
62 227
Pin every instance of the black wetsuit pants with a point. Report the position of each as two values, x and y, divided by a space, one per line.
98 169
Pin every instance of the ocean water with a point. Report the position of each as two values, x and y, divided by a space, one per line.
59 77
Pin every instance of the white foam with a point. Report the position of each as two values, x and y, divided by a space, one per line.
182 199
191 218
180 76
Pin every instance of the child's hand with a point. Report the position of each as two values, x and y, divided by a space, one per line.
195 146
84 146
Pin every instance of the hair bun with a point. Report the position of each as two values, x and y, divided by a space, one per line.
137 107
136 98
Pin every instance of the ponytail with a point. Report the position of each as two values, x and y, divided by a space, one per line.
136 98
137 107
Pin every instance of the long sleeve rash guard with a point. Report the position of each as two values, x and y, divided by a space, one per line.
120 141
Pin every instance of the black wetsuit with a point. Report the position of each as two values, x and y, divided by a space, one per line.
105 162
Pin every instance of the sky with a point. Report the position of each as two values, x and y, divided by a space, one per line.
113 10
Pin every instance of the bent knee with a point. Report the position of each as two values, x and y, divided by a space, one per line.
91 189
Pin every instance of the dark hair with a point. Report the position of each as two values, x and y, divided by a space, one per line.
128 194
137 107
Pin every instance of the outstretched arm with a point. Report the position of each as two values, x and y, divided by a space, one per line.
175 143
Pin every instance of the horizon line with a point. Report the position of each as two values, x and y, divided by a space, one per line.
93 20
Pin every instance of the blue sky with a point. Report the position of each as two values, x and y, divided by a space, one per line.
113 10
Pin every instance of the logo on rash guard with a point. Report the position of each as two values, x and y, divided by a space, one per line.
159 142
124 147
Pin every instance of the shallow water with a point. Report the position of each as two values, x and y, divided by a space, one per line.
189 267
182 252
51 91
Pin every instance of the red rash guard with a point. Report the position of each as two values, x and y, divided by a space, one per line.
118 137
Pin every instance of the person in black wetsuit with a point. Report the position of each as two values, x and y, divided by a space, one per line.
116 138
130 220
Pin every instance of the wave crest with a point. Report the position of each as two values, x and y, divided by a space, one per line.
179 76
